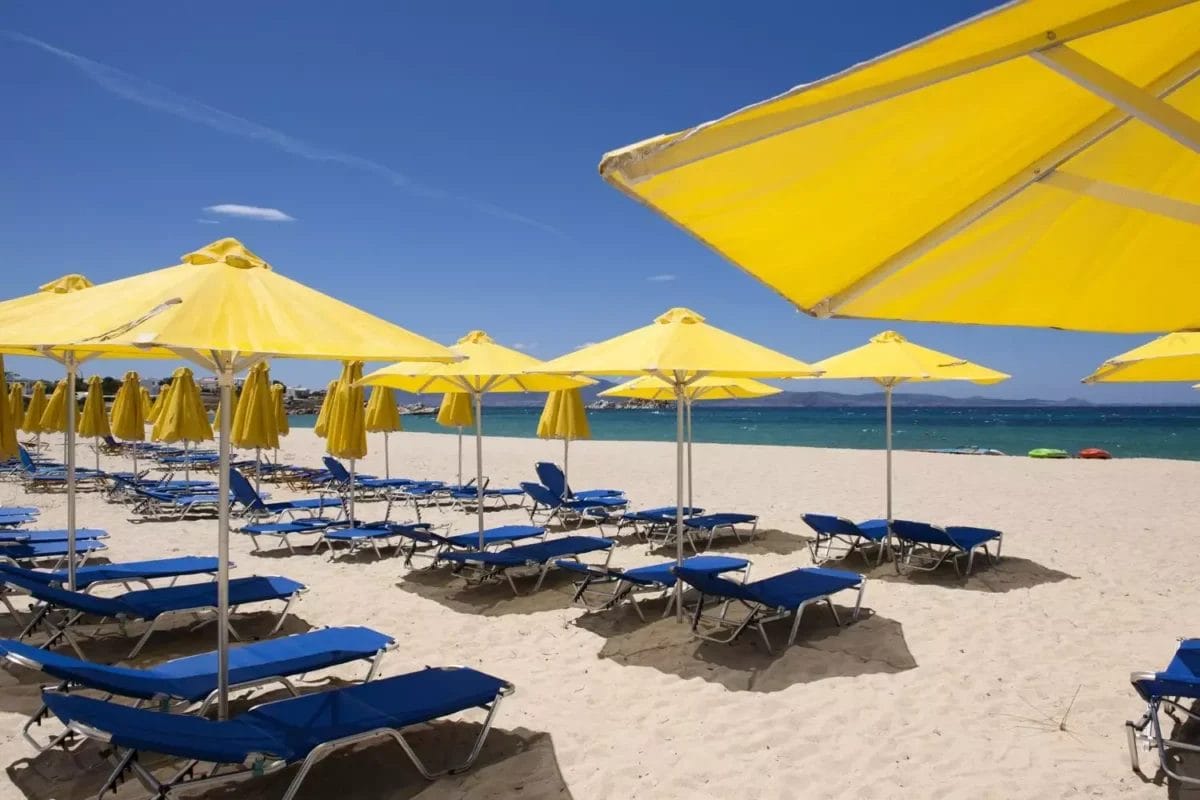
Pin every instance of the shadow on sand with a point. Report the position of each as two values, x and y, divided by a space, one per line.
873 644
1007 574
491 599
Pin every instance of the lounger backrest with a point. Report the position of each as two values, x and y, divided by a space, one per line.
27 574
337 469
26 461
552 478
831 525
243 490
921 532
541 495
710 584
64 598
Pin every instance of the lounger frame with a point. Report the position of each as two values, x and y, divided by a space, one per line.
624 592
1136 735
476 574
927 557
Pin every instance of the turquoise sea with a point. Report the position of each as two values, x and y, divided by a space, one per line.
1125 431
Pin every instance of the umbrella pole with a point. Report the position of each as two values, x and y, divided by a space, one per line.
460 456
566 461
678 493
479 462
69 444
187 462
257 468
350 497
887 393
96 444
387 458
689 453
225 382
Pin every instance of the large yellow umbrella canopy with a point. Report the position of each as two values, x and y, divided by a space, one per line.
486 366
321 426
54 416
8 429
680 347
651 387
126 417
281 415
182 418
1037 165
35 409
16 404
890 359
1174 357
383 417
254 425
456 411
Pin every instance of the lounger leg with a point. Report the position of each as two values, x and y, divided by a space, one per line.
862 588
142 641
282 615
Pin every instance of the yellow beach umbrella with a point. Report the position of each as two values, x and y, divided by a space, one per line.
321 426
680 348
1174 357
34 411
347 424
1025 167
224 308
650 387
455 412
890 359
8 428
156 406
54 416
125 417
147 404
383 417
564 417
16 404
254 425
183 418
93 421
281 415
486 367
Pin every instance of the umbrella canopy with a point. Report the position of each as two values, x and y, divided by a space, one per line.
126 415
182 418
16 404
1174 357
649 387
147 404
321 426
347 418
564 417
54 417
156 406
93 421
254 425
281 415
456 411
383 416
1021 168
680 348
890 359
486 366
8 428
35 409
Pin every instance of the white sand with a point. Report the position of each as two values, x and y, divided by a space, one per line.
949 689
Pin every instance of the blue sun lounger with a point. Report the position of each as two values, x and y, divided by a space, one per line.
254 505
124 572
649 519
548 507
283 531
624 584
23 511
840 537
62 609
11 520
926 547
1166 690
271 736
30 552
372 534
420 539
184 682
487 565
553 478
28 536
767 600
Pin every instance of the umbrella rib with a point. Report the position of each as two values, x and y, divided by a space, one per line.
1031 174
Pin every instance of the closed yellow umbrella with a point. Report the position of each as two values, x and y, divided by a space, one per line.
34 411
486 367
890 359
16 404
54 417
156 406
183 418
1174 357
1036 165
147 404
455 412
125 416
383 417
282 428
347 423
680 347
321 426
8 429
254 423
564 417
650 387
224 308
93 421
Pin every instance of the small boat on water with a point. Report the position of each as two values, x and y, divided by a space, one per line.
1094 452
967 451
1048 452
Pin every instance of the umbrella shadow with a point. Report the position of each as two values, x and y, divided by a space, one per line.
490 599
512 763
1008 574
871 645
766 541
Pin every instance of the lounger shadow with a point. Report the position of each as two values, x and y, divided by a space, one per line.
1009 574
491 599
872 645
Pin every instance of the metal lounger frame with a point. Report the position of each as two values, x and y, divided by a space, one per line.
1135 733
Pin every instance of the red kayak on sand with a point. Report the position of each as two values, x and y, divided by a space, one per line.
1094 452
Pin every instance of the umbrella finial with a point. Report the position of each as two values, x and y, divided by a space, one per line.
476 337
72 282
226 251
683 316
888 336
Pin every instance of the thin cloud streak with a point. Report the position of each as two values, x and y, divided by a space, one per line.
259 213
151 95
660 278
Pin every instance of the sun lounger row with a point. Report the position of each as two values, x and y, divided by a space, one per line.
916 545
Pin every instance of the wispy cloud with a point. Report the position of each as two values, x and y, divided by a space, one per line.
250 212
151 95
204 221
661 278
525 346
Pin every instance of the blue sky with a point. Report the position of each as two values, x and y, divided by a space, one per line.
436 161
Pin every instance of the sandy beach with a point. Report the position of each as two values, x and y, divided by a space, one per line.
946 688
